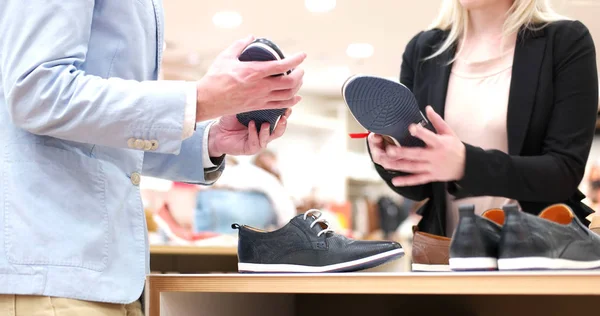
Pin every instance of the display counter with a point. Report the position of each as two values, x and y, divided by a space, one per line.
486 293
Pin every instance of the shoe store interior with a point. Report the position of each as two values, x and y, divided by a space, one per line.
312 225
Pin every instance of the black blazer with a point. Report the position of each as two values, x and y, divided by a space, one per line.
551 118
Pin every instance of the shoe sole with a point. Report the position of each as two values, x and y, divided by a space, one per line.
542 263
473 264
350 266
384 107
263 53
419 267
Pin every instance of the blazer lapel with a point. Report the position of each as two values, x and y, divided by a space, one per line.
525 74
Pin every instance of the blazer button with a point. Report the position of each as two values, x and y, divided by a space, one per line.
139 144
154 143
131 143
135 178
147 145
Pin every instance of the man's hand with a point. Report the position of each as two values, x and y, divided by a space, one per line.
231 86
229 136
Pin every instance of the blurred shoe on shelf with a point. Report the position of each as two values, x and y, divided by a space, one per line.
474 244
430 253
182 236
391 215
307 244
553 240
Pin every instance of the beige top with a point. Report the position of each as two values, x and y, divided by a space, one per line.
476 107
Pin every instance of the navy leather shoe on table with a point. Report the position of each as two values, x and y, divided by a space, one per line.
474 245
384 107
553 240
306 244
262 49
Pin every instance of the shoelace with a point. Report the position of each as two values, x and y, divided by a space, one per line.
318 219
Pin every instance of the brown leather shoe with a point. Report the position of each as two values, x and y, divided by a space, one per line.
430 252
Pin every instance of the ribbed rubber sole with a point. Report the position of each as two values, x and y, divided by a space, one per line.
350 266
258 51
385 107
542 263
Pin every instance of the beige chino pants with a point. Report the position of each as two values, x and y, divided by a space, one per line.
24 305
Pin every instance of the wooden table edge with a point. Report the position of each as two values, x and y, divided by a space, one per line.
492 283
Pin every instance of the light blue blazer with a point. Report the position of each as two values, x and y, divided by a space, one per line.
80 119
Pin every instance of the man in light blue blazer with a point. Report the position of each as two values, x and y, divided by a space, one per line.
82 116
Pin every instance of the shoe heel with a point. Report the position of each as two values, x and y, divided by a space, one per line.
469 248
514 252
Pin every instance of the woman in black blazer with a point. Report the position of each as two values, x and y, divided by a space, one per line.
550 116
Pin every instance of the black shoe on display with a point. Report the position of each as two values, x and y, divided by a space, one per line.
262 49
307 244
553 240
474 245
384 107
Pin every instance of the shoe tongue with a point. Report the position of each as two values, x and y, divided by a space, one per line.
309 220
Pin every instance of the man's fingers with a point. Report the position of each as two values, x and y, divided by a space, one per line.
236 48
291 81
253 141
280 128
281 95
281 104
275 67
263 135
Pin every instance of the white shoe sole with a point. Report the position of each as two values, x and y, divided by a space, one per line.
292 268
473 264
419 267
541 263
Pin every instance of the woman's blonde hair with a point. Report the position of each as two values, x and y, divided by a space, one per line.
522 13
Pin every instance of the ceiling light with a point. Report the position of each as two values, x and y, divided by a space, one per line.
360 50
227 19
319 6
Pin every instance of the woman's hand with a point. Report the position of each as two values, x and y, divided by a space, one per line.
442 160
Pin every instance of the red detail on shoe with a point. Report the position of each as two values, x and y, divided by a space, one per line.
359 135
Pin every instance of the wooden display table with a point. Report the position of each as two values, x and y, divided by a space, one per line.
375 294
